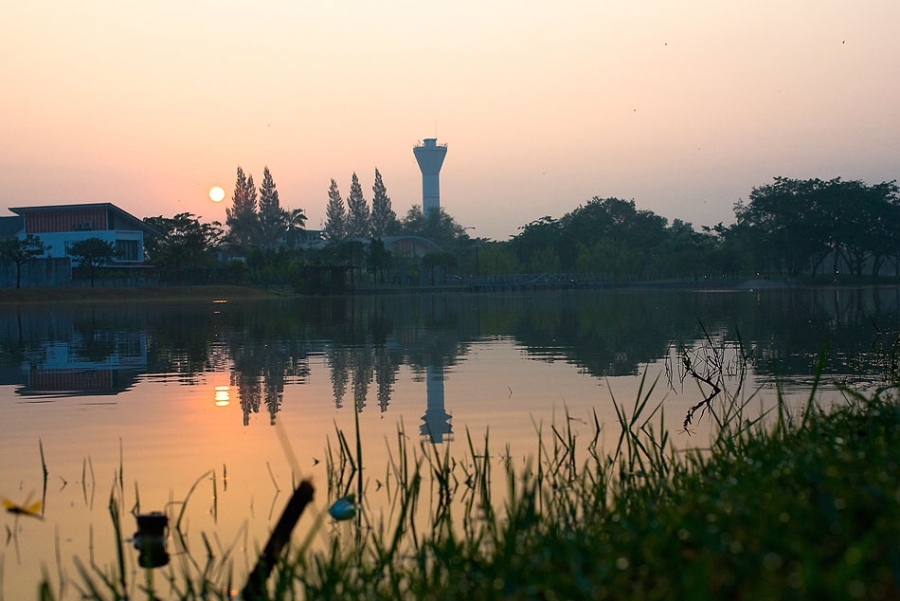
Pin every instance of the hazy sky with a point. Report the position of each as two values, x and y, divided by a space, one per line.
683 106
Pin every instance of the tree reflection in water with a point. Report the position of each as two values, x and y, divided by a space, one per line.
267 345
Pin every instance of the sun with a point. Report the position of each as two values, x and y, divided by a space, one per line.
216 193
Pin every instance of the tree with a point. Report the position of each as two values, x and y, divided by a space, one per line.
272 219
794 225
495 258
242 218
444 260
413 223
536 242
869 223
384 219
378 259
613 222
358 225
789 226
92 253
296 223
21 251
185 243
437 226
335 215
884 240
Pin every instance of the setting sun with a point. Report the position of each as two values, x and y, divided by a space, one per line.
216 194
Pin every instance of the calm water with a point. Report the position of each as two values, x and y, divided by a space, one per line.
142 401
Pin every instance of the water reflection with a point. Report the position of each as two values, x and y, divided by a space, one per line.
197 386
264 347
81 361
437 421
222 398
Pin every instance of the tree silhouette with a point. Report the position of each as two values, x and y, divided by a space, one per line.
438 226
384 219
335 215
92 253
185 241
296 223
378 259
242 218
272 219
21 251
794 225
358 225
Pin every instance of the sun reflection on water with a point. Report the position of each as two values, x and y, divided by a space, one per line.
223 399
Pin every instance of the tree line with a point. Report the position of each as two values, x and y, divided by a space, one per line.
263 243
786 228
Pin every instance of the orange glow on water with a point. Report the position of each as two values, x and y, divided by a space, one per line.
223 398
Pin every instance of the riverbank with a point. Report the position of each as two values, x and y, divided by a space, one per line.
31 296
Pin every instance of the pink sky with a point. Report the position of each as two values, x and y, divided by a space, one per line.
682 106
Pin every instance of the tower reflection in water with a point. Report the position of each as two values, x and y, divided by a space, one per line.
437 421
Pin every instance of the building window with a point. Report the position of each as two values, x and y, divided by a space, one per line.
127 250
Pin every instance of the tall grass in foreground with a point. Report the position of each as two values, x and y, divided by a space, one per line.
806 506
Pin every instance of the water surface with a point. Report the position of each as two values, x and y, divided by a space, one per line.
138 402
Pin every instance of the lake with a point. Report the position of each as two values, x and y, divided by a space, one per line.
227 404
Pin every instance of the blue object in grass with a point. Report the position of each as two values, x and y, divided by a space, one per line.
344 508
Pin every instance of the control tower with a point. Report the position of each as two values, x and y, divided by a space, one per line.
430 157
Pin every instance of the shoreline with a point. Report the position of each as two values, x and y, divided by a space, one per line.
33 296
226 292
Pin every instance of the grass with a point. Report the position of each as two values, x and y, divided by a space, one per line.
801 505
806 508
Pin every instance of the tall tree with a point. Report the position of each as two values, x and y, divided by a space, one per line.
21 251
92 253
242 218
384 219
792 224
358 225
868 224
272 219
335 215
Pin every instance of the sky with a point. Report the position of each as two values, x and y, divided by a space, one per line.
683 107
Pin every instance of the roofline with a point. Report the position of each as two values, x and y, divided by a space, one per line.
20 211
391 239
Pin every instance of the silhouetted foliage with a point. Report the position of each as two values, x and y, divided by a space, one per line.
335 215
272 218
20 251
92 253
296 227
242 218
384 219
792 226
358 225
185 244
444 261
378 259
437 226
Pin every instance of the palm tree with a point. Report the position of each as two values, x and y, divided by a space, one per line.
296 223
